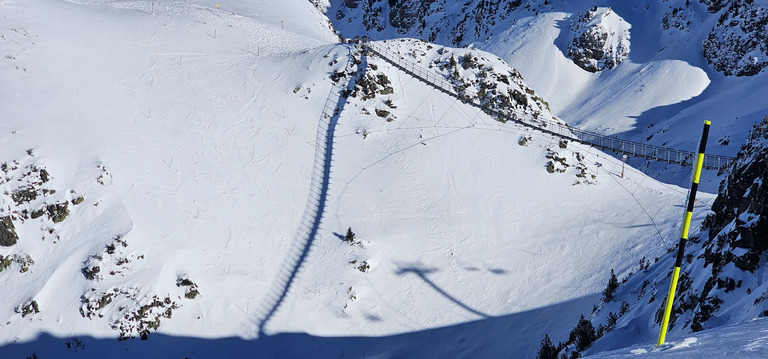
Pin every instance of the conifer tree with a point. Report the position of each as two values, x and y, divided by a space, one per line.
610 289
350 237
583 335
547 350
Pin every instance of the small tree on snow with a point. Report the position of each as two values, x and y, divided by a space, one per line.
452 62
350 237
610 289
547 350
467 61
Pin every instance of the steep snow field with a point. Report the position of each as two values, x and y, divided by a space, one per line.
191 132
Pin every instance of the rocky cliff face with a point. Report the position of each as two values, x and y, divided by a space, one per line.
409 15
722 271
600 40
715 5
738 45
734 252
740 218
443 21
721 280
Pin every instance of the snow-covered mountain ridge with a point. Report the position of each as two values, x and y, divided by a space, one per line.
183 137
736 46
659 95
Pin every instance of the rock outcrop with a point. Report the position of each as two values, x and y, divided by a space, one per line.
600 40
8 236
714 6
740 216
443 21
738 45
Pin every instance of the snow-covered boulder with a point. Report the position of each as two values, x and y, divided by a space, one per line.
738 45
600 40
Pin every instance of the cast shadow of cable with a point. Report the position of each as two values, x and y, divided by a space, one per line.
422 273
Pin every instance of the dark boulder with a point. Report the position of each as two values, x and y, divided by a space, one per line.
58 212
8 236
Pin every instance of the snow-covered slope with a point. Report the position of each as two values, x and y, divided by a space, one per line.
186 172
181 138
660 94
155 114
721 280
746 340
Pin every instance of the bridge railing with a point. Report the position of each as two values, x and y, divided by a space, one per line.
559 129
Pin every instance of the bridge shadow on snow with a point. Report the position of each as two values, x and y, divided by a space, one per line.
316 201
514 335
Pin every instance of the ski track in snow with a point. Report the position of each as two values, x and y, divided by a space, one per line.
267 37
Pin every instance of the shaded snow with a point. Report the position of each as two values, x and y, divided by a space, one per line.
743 340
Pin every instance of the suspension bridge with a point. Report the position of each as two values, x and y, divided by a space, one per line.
335 103
559 129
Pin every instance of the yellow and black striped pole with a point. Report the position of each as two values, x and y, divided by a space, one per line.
684 233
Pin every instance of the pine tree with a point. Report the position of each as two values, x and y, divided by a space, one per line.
613 283
452 62
350 237
547 350
467 61
583 335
